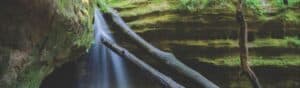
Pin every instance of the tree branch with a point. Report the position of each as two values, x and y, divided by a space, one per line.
124 53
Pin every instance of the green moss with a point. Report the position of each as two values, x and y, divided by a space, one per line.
192 43
207 6
292 42
279 61
193 5
222 43
290 17
151 20
83 14
280 5
256 6
71 26
148 8
269 42
32 78
126 3
286 42
206 43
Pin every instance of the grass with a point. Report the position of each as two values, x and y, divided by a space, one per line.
202 5
287 42
279 3
150 20
255 6
232 61
125 3
290 17
153 6
193 5
209 43
292 42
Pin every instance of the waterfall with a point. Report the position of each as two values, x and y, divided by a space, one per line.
104 64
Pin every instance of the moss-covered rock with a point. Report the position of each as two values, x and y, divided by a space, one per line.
206 28
263 17
38 36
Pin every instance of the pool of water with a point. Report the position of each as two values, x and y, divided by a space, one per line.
226 77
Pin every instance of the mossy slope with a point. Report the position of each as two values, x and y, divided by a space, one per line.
49 33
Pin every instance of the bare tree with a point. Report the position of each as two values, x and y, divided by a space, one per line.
243 40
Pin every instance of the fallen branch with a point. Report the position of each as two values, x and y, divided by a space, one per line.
125 54
168 58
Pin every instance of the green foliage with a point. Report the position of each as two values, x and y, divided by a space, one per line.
103 4
232 61
33 76
293 41
217 2
255 6
290 16
286 42
209 43
193 5
147 7
269 42
290 42
280 4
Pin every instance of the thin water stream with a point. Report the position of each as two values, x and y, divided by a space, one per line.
103 60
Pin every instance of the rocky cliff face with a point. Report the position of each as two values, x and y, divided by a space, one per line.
38 35
215 20
193 31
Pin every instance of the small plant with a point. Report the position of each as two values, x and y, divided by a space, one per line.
103 4
193 5
256 6
280 4
293 42
290 17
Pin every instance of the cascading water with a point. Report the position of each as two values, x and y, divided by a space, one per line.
103 60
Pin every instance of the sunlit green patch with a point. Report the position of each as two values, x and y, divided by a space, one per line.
279 3
293 42
287 42
151 20
32 77
206 43
148 8
279 61
125 3
193 5
290 17
256 6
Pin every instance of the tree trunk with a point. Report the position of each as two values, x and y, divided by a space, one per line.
124 53
285 2
168 58
243 45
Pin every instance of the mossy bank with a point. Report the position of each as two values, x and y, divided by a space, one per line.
38 36
200 29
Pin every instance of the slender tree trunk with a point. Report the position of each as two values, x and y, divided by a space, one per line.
168 58
243 45
170 83
285 2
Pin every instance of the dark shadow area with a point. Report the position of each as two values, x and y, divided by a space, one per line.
62 77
